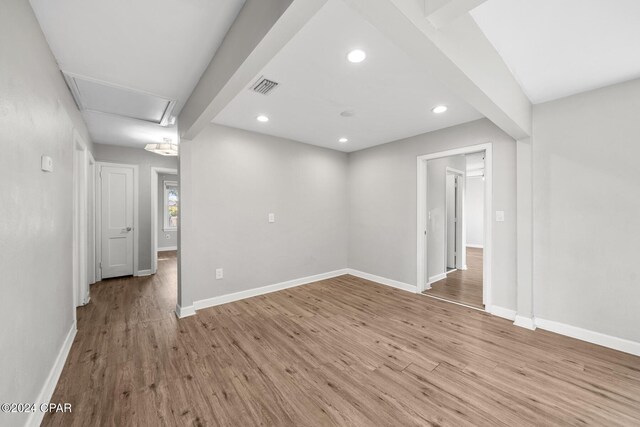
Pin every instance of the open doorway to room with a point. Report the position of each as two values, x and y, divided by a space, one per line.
165 215
453 226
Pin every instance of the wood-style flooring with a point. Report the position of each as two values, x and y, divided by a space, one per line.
463 286
342 351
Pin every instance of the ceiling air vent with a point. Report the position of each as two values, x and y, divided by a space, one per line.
264 86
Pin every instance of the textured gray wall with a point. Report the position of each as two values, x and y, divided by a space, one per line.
382 204
474 210
587 210
37 116
230 181
145 160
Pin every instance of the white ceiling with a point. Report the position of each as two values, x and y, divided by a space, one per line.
559 48
392 96
117 130
159 47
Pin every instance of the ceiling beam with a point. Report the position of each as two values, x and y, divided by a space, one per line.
451 10
459 56
260 30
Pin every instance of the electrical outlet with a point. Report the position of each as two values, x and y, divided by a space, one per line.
219 273
272 217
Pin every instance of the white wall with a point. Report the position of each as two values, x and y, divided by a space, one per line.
37 116
145 160
230 181
172 241
474 210
436 206
382 205
586 210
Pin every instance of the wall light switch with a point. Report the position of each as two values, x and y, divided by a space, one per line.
219 274
46 164
499 216
272 217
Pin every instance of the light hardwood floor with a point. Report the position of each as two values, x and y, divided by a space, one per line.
463 286
343 351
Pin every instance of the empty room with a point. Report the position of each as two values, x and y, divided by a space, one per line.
320 212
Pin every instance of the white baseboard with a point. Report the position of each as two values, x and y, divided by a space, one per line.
525 322
168 248
143 273
382 280
621 344
505 313
437 277
185 311
35 418
475 246
236 296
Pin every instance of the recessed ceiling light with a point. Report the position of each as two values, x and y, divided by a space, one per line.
356 55
439 109
343 140
262 119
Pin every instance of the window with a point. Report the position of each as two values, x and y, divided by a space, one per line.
170 205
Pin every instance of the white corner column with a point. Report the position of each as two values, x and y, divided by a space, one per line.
184 306
524 313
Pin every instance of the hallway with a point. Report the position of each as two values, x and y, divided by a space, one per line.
463 286
115 344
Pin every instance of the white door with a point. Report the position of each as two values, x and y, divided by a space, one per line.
117 221
451 196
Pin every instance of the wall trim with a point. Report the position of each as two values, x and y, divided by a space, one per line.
621 344
382 280
140 273
168 248
436 278
475 246
182 312
49 386
236 296
525 322
505 313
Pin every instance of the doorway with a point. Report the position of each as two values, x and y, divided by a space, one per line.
81 224
450 208
162 227
117 221
454 214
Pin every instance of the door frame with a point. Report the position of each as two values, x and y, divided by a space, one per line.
461 259
91 218
136 232
155 173
421 214
80 220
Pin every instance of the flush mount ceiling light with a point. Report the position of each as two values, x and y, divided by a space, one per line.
262 118
343 140
165 148
356 55
439 109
